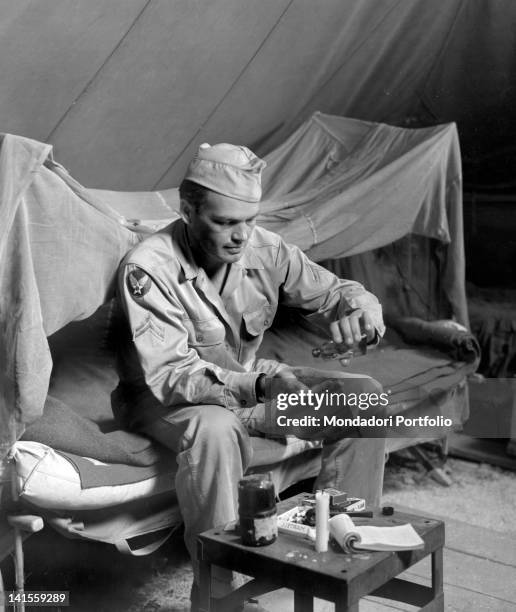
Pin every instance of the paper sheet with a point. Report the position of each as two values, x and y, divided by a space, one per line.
370 537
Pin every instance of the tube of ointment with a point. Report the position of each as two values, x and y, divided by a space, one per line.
305 531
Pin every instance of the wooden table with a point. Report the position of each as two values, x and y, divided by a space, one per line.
340 577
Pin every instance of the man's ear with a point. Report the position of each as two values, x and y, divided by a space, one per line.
185 210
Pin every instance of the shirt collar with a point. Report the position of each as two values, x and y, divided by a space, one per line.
249 259
184 253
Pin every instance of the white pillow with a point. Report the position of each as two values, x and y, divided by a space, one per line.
48 480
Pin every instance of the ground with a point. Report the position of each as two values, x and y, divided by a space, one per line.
480 494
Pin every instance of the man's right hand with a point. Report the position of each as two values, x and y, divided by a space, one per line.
285 381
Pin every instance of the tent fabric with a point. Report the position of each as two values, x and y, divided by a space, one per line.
127 90
335 188
58 257
343 187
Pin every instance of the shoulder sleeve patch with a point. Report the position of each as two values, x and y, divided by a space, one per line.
138 282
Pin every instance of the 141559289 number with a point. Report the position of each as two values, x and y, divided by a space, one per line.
37 598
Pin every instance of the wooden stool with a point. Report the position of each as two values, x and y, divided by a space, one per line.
336 576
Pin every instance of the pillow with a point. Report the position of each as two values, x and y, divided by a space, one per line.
55 481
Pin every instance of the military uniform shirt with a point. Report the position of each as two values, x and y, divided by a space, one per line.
190 345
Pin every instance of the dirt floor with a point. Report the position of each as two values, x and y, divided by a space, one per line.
480 494
99 578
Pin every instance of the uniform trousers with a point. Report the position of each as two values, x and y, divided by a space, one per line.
214 450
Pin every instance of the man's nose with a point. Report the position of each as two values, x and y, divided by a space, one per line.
240 234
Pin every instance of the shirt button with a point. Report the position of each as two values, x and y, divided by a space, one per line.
200 337
243 403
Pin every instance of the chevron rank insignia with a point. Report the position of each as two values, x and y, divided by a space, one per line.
138 282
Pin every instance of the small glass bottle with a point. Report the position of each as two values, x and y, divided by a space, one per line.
332 350
339 350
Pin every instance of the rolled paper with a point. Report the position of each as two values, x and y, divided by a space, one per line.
353 537
322 516
343 529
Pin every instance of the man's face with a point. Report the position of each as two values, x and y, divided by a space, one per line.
220 229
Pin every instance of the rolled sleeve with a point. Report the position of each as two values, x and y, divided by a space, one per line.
240 389
311 287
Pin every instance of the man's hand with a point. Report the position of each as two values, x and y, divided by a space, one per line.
352 327
285 381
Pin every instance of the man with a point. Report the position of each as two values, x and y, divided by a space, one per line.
198 297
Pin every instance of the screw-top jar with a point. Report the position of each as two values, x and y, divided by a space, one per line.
257 510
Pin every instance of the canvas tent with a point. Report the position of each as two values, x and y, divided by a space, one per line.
126 90
337 187
122 93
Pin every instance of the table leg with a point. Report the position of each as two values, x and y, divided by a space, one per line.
303 602
437 573
204 586
342 606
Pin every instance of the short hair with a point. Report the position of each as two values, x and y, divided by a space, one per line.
193 193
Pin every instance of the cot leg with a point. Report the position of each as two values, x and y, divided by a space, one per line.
2 590
30 524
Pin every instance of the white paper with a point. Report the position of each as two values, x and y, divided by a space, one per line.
371 537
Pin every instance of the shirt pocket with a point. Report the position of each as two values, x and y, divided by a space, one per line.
205 332
257 321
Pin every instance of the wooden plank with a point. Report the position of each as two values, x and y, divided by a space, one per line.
50 51
482 543
491 451
373 604
472 574
155 92
283 599
455 600
474 540
462 599
458 600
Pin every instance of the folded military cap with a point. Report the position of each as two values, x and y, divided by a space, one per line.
230 170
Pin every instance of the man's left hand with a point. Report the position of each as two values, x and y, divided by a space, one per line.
351 328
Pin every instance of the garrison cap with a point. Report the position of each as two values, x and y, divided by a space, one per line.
230 170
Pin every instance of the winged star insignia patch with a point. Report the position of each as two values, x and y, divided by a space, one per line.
138 283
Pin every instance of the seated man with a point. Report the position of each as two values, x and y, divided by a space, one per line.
198 296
